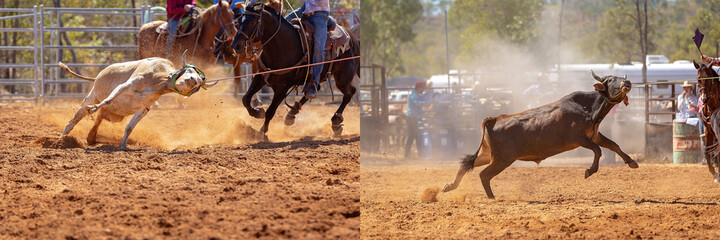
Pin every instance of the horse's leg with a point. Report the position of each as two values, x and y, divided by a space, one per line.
709 140
278 97
294 110
257 102
343 81
257 83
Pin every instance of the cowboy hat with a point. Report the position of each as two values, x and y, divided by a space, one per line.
687 84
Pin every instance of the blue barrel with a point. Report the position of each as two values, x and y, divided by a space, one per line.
425 150
686 143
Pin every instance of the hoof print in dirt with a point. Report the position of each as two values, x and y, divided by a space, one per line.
59 143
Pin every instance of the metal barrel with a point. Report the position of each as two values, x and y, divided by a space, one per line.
686 143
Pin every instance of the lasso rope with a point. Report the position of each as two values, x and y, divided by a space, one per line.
283 69
675 81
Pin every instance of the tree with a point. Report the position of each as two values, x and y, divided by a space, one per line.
486 23
386 25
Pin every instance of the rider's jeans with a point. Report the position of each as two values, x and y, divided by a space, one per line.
319 21
172 28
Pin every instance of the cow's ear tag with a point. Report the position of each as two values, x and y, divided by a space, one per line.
625 100
599 87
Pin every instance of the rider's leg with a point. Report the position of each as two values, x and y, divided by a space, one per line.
296 14
319 21
172 29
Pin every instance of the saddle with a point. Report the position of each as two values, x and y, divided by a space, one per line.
338 40
186 26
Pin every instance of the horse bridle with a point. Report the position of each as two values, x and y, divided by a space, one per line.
249 39
219 18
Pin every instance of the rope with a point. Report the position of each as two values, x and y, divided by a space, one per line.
283 69
675 81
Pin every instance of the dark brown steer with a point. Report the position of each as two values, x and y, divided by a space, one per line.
542 132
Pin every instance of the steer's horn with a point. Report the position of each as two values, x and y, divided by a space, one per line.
208 85
183 57
625 76
595 76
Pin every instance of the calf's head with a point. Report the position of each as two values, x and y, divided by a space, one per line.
613 87
189 79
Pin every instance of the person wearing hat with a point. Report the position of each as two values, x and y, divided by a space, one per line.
416 101
687 102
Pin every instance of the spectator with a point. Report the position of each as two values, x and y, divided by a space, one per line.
687 103
416 101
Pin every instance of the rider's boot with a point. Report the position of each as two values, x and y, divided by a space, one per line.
310 90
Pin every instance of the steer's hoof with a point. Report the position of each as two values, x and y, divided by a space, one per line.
448 187
717 180
91 109
633 164
289 120
258 113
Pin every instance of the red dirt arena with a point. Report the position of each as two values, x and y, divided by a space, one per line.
191 173
655 201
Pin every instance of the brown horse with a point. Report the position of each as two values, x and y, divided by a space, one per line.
710 92
199 43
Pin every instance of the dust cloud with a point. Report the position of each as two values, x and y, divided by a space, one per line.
208 117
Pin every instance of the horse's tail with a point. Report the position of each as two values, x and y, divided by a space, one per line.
355 42
63 66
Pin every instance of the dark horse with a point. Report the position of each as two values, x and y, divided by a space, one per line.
282 48
710 91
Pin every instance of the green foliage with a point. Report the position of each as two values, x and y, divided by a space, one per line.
385 26
593 31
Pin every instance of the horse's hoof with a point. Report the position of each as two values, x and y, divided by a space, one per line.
289 120
337 119
91 141
337 130
587 173
259 113
260 136
633 164
256 103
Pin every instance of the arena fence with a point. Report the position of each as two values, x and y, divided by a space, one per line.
42 78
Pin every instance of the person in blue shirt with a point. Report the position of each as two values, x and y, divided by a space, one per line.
415 102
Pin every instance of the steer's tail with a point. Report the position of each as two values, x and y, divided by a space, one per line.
468 162
67 69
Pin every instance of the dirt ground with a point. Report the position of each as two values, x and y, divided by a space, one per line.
652 202
189 174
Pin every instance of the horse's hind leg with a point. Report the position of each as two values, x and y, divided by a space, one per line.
344 82
294 110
